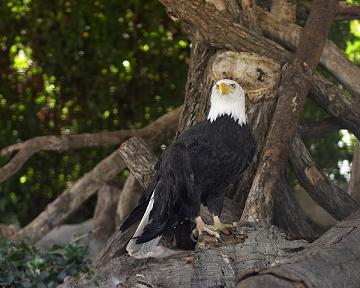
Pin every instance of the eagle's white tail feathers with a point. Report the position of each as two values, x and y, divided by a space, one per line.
143 250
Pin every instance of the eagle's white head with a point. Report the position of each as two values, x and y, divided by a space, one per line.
227 98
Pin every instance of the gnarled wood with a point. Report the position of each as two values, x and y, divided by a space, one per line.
328 195
284 10
214 266
345 109
322 264
249 18
320 128
140 160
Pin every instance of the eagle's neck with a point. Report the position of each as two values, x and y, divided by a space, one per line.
235 108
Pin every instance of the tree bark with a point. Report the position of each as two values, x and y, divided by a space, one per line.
328 195
323 264
264 259
128 198
320 128
57 211
284 10
334 60
354 184
211 22
344 108
105 212
249 18
293 90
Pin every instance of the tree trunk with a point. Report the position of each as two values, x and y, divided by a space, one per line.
105 211
354 185
295 84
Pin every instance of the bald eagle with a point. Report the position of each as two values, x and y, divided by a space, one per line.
195 170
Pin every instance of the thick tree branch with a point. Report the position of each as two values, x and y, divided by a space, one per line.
328 195
64 143
347 9
128 199
346 109
284 10
331 261
104 216
249 17
210 22
320 128
344 11
354 184
139 159
332 58
57 211
292 93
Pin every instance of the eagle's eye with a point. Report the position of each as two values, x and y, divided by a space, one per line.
233 86
217 86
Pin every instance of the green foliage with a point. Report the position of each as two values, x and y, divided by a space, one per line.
70 67
24 266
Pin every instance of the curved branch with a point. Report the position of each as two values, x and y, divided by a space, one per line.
348 11
67 142
57 211
320 128
328 195
288 34
330 98
322 264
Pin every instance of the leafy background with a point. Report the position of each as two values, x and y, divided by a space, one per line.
69 67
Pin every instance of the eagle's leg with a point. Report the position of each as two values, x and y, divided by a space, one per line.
215 205
202 227
221 227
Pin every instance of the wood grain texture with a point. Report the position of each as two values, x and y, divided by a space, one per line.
354 184
210 266
345 109
249 17
331 261
105 211
210 22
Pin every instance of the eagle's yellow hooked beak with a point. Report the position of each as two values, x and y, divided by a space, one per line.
224 88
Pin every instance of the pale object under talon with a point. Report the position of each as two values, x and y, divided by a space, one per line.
221 227
202 227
